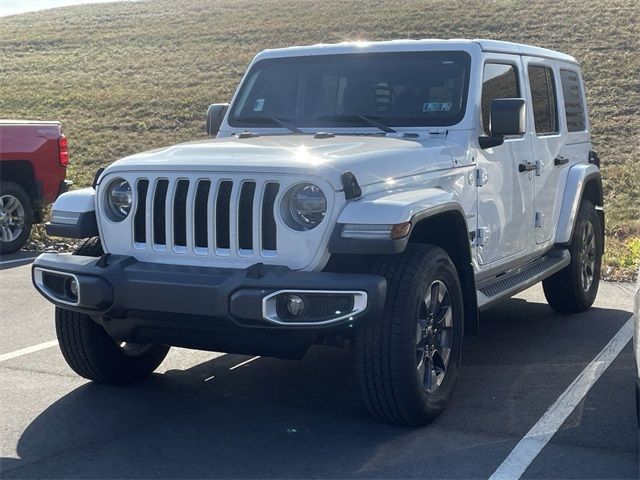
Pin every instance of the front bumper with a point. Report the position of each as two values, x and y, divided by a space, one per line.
202 307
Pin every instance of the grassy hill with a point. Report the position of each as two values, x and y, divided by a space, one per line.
125 77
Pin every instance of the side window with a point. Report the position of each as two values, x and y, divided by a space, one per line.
499 80
543 97
573 101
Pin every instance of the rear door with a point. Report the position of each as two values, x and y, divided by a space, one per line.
547 143
506 196
574 121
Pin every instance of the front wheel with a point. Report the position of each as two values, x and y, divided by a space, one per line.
92 354
574 288
408 359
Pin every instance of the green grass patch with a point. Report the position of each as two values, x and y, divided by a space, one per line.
127 77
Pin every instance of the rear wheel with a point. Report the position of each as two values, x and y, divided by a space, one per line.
408 359
92 354
16 217
574 288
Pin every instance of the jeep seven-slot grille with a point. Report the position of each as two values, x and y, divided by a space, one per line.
159 213
139 231
218 216
223 217
200 218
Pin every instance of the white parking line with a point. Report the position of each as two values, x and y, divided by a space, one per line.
17 260
27 350
534 441
244 363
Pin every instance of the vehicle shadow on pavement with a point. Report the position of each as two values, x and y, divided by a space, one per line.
274 418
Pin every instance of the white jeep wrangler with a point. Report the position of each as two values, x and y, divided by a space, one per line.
376 195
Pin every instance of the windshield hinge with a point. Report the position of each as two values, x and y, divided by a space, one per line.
247 135
322 135
439 132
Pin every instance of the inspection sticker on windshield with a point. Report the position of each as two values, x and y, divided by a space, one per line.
257 107
436 107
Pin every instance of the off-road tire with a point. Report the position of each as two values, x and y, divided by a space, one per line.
10 188
92 354
385 347
91 247
564 290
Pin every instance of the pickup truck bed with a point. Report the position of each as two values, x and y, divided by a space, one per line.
33 167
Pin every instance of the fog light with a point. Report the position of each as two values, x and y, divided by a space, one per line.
295 305
312 307
72 288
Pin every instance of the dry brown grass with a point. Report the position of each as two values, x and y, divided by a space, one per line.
131 76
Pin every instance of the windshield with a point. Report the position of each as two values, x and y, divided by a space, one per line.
399 89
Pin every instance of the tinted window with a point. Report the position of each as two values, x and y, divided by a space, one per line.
573 102
499 81
398 89
543 97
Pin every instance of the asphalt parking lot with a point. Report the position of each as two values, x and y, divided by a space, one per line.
212 415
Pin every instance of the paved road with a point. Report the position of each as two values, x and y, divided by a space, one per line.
201 417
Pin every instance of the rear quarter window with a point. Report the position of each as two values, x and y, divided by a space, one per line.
573 101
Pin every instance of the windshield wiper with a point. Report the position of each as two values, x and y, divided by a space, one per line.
363 119
272 120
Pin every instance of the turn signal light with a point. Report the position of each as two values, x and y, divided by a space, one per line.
400 230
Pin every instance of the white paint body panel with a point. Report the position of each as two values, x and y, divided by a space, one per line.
365 156
77 201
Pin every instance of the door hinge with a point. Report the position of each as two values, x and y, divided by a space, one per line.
478 238
539 165
482 177
539 221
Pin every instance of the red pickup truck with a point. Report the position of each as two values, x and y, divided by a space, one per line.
33 166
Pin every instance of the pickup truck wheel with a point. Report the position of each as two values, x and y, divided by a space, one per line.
92 354
574 288
408 359
16 217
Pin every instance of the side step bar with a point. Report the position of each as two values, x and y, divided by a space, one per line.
510 283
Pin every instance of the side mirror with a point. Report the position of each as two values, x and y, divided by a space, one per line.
507 117
215 114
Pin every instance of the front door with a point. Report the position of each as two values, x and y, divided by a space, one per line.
506 196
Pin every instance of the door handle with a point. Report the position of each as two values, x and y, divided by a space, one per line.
560 160
526 167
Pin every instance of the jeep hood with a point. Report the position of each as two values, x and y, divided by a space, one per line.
371 159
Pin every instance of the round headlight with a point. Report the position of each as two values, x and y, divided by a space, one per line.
119 199
307 206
